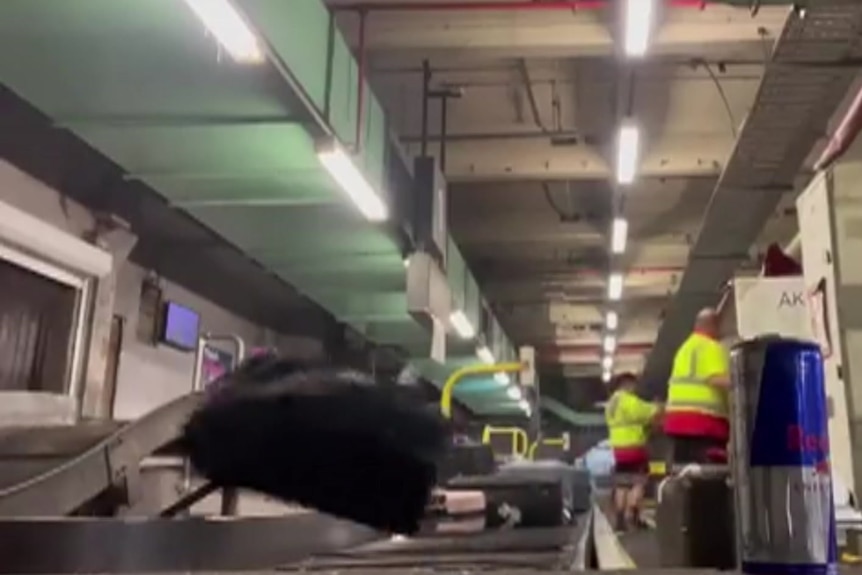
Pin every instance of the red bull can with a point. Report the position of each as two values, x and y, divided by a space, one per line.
780 462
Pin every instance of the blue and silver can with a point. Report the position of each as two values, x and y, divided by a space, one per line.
781 472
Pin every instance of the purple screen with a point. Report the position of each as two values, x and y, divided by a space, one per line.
182 326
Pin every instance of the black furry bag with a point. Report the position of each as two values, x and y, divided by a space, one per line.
323 437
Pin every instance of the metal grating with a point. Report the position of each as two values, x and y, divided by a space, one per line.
804 83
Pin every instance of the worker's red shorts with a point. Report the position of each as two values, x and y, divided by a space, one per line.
632 467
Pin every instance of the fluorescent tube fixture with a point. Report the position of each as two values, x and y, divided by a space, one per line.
606 376
485 354
619 235
612 320
639 17
514 392
502 378
525 405
462 325
615 286
628 145
607 362
340 166
610 344
229 28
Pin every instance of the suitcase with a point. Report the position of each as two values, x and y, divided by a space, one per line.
465 460
577 487
517 501
695 523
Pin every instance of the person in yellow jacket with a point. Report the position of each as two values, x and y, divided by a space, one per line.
697 401
629 418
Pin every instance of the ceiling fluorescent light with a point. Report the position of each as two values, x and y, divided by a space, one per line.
462 325
229 28
606 376
502 378
514 392
610 344
612 320
619 234
615 286
607 362
628 146
485 354
639 17
340 166
525 405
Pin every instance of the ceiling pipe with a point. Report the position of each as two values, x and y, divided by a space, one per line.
499 6
844 135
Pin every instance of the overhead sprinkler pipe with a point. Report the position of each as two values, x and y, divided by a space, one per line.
501 6
844 135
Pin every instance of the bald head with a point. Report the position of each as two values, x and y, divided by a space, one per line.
706 322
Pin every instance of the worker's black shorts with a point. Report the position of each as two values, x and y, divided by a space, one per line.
628 474
686 449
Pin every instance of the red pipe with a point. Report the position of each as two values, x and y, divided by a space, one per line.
360 89
844 135
500 6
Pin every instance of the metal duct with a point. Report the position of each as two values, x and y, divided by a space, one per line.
803 84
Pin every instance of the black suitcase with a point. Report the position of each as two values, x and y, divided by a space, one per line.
695 523
465 460
517 501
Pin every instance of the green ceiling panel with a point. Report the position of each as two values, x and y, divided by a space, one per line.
299 32
262 149
92 61
386 261
293 188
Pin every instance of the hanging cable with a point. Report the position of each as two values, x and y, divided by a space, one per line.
722 94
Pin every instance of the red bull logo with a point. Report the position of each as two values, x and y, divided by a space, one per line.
800 441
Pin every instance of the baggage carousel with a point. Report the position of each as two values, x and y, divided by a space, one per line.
69 488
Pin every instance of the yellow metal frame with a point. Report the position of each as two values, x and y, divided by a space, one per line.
550 442
468 371
520 440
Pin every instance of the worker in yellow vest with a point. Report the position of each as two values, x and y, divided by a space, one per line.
629 418
697 401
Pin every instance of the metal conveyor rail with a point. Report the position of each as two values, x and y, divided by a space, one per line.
112 463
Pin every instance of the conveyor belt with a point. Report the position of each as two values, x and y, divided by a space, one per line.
642 547
96 545
55 471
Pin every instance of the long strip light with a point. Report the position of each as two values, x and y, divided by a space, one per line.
628 149
619 235
638 24
462 324
485 354
612 320
615 286
514 393
230 29
606 376
525 405
609 344
340 166
607 362
502 378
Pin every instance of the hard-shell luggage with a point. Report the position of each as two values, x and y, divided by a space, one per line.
519 502
695 523
577 487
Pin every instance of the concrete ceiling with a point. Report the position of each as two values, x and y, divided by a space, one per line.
530 151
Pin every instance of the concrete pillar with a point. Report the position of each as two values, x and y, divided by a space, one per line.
96 398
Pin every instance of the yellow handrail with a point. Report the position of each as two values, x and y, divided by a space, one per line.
467 371
520 440
550 442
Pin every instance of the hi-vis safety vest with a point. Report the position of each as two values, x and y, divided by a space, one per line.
698 359
625 419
